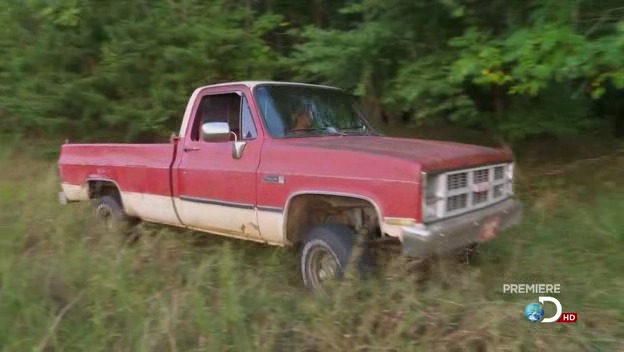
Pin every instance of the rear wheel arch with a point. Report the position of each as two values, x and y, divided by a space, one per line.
100 187
107 196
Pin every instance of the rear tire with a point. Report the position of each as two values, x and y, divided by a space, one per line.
326 253
111 214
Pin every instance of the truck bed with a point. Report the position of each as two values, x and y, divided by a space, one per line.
135 168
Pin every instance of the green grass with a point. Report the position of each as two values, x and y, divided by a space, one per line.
66 286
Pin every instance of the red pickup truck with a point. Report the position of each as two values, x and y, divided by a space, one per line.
294 164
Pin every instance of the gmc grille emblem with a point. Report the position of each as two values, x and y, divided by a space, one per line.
481 187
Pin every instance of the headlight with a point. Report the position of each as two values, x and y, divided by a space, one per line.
510 178
430 212
429 197
510 171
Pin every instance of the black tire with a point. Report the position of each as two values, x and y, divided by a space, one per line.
469 254
110 213
333 244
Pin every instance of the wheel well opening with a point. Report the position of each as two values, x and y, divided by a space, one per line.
101 188
305 211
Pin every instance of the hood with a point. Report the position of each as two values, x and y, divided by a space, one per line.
431 155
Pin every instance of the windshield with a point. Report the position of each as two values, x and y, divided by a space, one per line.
297 110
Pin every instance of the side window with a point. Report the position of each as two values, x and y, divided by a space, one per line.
230 108
248 128
217 108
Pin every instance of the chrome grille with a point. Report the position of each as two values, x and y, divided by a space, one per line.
499 172
456 181
480 176
479 197
460 191
456 202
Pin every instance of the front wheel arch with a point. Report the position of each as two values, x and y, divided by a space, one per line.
300 207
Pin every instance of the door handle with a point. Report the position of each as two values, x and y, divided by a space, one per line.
190 149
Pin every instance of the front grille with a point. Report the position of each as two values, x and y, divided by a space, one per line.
480 197
499 172
457 181
456 202
460 191
480 176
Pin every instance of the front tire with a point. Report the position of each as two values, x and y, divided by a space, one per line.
326 253
469 254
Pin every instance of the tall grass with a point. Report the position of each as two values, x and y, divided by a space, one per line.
68 286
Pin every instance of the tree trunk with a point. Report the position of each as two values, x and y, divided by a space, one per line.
499 102
618 126
373 110
318 13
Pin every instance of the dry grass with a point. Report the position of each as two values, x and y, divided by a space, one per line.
66 286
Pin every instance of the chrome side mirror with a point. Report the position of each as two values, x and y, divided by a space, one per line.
220 132
215 132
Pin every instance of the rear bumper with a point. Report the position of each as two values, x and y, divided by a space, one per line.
458 232
62 198
73 193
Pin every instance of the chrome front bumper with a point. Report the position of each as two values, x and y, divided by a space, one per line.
458 232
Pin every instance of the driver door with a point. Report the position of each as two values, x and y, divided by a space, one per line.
215 191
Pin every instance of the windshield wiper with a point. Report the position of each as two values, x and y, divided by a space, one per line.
360 132
327 130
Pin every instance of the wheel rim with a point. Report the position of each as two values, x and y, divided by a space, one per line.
322 266
105 215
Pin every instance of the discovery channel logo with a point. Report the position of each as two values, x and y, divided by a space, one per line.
534 312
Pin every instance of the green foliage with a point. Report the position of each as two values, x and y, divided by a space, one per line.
431 91
124 66
94 70
556 110
427 58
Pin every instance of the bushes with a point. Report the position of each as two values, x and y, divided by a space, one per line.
123 70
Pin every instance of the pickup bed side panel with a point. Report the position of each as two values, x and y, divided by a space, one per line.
140 171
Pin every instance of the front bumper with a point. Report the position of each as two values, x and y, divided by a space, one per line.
458 232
